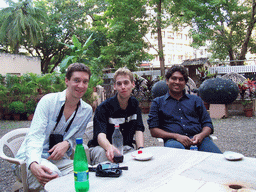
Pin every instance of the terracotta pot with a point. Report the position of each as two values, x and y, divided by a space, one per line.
16 117
207 105
248 112
30 117
7 116
40 91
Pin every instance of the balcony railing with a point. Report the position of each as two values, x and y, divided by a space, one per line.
235 69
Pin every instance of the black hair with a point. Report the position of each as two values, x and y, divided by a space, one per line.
178 68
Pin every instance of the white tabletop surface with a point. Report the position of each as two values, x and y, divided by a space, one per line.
171 170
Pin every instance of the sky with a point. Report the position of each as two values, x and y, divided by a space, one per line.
3 4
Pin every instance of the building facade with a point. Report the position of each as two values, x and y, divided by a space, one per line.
19 64
176 45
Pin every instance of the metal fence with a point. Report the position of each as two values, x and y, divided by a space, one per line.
235 69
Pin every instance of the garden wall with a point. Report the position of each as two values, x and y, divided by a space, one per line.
19 64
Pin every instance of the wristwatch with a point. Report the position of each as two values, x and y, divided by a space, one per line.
140 147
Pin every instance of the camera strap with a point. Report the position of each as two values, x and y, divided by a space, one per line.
60 115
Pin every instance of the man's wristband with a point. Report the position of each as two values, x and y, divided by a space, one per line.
140 147
32 163
68 143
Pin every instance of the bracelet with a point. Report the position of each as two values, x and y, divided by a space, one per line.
140 147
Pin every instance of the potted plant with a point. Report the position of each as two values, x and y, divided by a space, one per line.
3 93
247 100
5 100
30 107
17 108
143 91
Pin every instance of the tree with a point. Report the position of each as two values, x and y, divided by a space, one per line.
78 54
65 19
158 20
124 23
20 22
155 23
227 25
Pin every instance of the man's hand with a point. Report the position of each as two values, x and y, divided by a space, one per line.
110 153
197 139
42 173
58 150
184 140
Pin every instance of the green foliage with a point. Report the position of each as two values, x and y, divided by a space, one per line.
247 104
205 74
78 54
30 106
11 80
227 25
17 107
65 19
58 82
2 80
45 83
143 87
20 22
124 23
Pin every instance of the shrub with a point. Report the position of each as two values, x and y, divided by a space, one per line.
17 107
30 106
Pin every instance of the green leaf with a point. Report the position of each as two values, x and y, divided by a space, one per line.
65 62
76 42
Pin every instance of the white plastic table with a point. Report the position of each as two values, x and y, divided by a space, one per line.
171 170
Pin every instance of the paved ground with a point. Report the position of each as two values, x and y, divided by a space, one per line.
235 133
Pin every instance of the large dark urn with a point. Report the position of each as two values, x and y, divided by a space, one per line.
218 91
159 88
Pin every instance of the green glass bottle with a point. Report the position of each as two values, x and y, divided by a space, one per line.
81 171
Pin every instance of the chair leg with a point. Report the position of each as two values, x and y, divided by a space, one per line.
23 171
17 186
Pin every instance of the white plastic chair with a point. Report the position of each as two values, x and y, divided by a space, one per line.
212 137
11 142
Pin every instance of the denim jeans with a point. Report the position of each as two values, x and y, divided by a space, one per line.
207 145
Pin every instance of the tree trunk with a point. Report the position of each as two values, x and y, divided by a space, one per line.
248 35
159 36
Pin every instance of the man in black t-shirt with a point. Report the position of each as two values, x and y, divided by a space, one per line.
121 108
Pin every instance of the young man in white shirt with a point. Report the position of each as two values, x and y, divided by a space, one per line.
64 114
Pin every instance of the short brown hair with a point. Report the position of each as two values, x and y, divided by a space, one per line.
178 68
123 71
77 67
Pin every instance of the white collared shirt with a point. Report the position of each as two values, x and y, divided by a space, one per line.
36 143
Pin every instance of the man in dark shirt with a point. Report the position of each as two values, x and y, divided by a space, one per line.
181 119
121 109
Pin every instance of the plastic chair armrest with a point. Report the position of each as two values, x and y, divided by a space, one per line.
13 160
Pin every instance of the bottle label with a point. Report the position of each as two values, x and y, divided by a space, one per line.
193 147
81 176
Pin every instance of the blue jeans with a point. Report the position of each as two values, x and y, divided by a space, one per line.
207 145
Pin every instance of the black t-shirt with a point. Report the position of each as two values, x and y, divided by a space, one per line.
109 112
